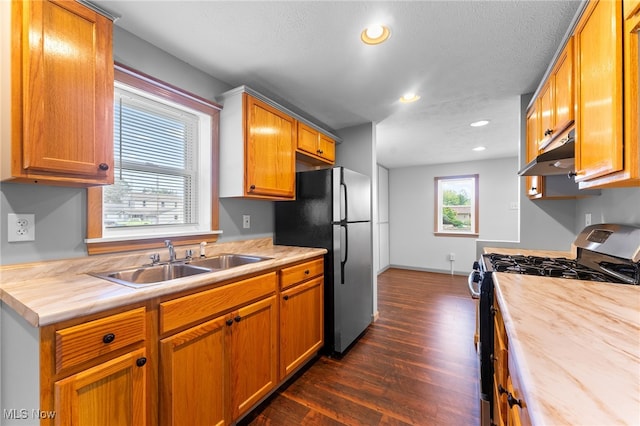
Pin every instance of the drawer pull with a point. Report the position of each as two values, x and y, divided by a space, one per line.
141 361
229 322
108 338
286 297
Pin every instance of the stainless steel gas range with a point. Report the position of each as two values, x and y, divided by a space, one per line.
605 253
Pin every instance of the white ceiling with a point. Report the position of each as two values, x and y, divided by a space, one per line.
468 60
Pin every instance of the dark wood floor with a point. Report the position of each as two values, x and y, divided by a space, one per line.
416 365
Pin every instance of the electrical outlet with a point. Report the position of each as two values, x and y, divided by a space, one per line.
246 221
452 256
21 227
587 219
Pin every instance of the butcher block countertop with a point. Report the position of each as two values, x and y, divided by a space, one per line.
576 345
47 292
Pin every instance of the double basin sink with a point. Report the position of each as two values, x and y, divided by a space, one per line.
154 274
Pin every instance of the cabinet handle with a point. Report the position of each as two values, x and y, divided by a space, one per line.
229 321
141 361
501 390
320 151
286 297
512 400
252 188
108 338
307 272
238 318
103 166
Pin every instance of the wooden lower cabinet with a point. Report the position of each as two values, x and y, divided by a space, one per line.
509 409
194 378
301 324
253 354
112 393
204 358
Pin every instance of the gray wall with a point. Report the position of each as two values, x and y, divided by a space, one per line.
619 205
411 217
60 213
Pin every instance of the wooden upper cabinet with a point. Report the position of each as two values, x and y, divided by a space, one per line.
315 146
600 150
533 184
564 102
556 99
631 172
62 94
257 147
270 151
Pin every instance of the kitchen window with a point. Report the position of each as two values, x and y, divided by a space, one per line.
165 168
456 206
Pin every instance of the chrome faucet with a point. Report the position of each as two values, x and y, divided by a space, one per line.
172 251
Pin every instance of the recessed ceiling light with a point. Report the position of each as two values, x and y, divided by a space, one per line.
479 148
409 97
479 123
375 34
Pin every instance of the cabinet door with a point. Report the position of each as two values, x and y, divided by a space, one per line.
564 99
307 139
599 143
67 91
631 102
253 355
327 148
112 393
194 376
301 324
533 184
270 151
547 114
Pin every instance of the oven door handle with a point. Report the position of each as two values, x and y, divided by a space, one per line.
474 286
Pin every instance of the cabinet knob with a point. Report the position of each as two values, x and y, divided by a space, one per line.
548 132
493 310
108 338
493 358
238 318
103 166
229 321
501 390
286 297
307 272
252 188
141 361
512 400
572 175
320 151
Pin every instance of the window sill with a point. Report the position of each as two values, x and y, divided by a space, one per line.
456 234
120 244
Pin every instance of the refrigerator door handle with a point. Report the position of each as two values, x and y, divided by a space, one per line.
343 262
344 202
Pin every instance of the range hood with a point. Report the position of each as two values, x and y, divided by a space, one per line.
558 161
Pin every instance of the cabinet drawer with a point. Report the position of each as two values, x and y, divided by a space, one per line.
197 307
295 274
80 343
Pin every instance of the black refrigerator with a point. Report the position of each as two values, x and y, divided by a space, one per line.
332 210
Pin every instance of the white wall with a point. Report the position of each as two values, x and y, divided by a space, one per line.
411 216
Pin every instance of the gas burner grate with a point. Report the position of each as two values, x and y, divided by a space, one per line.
545 267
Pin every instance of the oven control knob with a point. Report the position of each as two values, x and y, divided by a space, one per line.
476 266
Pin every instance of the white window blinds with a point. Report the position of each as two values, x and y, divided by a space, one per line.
155 150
